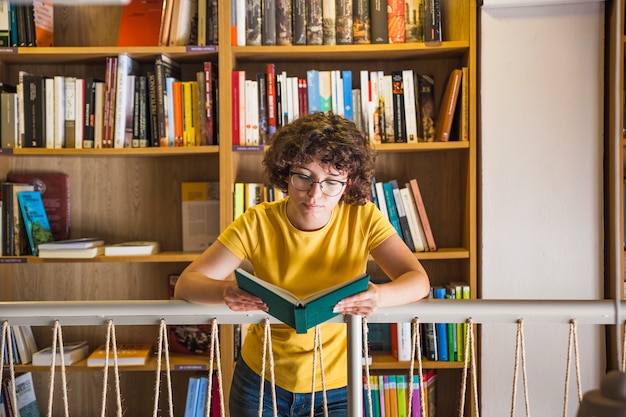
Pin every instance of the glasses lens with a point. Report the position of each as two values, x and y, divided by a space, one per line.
303 182
331 188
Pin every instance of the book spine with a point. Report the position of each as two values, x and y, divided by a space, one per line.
426 103
410 106
378 19
253 22
70 112
235 108
423 215
344 22
271 99
391 208
395 21
299 22
284 26
329 31
361 22
414 26
398 107
269 22
110 82
404 225
262 96
314 34
447 107
34 107
209 100
79 107
432 21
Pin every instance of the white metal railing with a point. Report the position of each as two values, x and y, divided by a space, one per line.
142 312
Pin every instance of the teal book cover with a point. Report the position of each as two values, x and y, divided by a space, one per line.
35 219
301 314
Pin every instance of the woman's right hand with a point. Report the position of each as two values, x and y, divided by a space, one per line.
239 300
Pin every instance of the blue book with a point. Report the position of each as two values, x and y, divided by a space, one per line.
313 90
192 397
442 329
203 385
35 219
348 108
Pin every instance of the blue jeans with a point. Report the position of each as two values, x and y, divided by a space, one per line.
244 398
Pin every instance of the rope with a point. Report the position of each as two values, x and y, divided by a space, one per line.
267 346
57 334
416 351
163 346
215 356
366 355
519 349
111 339
572 342
470 356
317 351
8 343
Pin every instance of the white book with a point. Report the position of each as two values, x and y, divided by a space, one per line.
294 109
254 116
372 119
72 353
19 89
410 107
98 115
59 111
365 95
70 112
124 86
80 243
339 93
79 108
382 201
132 248
249 110
49 85
23 351
387 92
412 218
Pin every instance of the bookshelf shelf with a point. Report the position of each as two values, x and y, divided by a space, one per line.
385 361
133 152
172 257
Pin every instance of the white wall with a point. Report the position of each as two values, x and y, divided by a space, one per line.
541 155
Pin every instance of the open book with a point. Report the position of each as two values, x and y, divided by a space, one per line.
301 314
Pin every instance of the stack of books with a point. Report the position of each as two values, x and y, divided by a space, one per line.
82 248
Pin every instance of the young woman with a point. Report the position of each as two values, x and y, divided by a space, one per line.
322 233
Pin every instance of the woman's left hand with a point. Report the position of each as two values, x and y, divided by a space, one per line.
363 303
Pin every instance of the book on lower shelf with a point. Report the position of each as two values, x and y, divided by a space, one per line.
132 248
86 253
128 354
35 219
78 243
26 396
301 314
72 353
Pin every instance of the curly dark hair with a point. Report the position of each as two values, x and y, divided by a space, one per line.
334 140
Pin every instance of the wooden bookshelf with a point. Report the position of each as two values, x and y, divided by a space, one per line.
134 194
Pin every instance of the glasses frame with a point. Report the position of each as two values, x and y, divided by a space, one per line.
311 182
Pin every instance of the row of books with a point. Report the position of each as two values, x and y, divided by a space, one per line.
197 397
439 341
390 395
318 22
249 194
398 107
404 207
26 23
23 345
126 109
25 397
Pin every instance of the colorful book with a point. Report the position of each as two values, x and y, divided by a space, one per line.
192 396
442 328
402 217
423 215
392 210
314 34
361 26
447 106
54 188
26 397
144 14
35 219
301 314
426 103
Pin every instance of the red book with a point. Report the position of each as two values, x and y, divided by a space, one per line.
177 111
421 209
235 108
144 14
208 101
271 98
55 193
396 21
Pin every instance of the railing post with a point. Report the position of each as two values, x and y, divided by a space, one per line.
355 367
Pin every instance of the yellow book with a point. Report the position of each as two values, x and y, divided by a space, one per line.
128 354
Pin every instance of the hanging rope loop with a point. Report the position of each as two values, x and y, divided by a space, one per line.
163 349
111 340
267 351
317 353
469 359
57 335
572 344
7 345
520 351
366 355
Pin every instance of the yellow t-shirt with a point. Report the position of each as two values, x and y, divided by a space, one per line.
304 262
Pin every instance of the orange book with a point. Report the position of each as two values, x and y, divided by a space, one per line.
143 14
177 112
448 106
128 354
396 21
44 23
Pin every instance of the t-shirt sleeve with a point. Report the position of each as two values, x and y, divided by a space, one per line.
379 228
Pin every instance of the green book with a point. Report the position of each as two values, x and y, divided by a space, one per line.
301 314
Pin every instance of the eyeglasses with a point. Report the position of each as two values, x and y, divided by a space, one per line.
302 182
